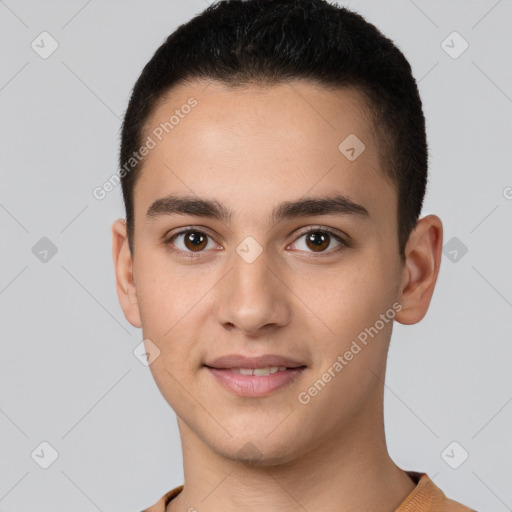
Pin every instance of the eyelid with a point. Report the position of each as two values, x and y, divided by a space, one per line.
318 227
180 231
342 240
169 237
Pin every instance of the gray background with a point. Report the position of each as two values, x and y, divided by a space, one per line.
68 375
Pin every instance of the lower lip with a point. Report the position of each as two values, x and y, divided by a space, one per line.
253 385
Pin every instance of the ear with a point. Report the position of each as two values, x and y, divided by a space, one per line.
123 266
419 275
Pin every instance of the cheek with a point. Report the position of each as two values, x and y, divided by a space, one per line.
347 303
168 301
348 297
168 293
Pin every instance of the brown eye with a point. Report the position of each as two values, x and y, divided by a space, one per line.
318 240
189 241
195 240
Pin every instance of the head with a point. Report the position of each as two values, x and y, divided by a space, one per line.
264 119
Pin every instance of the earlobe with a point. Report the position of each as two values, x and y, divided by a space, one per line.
123 267
421 268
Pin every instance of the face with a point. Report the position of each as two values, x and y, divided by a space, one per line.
274 275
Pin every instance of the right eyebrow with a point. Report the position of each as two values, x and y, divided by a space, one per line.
184 205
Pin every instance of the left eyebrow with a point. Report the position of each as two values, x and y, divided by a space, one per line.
309 206
303 207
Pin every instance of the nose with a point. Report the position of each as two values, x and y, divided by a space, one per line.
254 296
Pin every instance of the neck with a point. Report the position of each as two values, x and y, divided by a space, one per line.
349 470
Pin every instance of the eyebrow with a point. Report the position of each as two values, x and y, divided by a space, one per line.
303 207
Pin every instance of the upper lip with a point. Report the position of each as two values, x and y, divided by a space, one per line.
264 361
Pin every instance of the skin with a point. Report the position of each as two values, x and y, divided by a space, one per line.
251 149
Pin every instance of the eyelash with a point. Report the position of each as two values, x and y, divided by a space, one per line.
315 229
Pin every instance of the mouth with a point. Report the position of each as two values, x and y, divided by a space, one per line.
262 363
258 372
255 382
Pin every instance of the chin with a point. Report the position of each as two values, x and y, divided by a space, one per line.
258 451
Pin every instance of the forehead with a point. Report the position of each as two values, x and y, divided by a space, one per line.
252 146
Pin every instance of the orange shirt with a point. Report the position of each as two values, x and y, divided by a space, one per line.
426 497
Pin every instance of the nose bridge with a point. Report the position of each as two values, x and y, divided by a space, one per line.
252 296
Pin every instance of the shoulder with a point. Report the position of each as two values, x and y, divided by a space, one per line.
160 505
427 497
